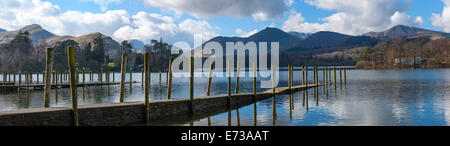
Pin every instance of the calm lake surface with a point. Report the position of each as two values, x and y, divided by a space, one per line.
371 97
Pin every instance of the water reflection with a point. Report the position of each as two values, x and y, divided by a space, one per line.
375 97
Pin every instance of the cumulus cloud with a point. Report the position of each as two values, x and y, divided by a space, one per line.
16 14
355 17
143 26
258 9
242 33
442 20
146 27
103 3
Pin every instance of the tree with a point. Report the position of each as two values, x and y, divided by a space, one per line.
99 50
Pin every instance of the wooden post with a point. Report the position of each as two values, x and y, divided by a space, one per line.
229 85
208 88
146 86
14 78
131 80
340 76
254 95
191 84
169 85
290 77
306 77
236 92
84 77
303 75
60 77
334 70
167 77
114 77
274 109
20 79
122 79
73 86
48 76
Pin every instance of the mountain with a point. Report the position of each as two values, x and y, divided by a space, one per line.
322 39
407 32
111 46
137 45
37 33
269 34
2 30
300 35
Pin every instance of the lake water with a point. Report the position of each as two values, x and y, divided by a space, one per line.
370 97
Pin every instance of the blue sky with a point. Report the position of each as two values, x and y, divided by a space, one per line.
180 19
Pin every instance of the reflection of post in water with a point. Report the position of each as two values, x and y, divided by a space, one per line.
236 92
254 95
290 106
274 109
27 100
56 96
131 81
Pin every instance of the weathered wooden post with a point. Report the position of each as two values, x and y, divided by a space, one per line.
236 92
146 86
340 76
73 86
114 76
14 78
208 88
123 71
169 85
191 84
303 75
306 77
167 77
48 76
142 78
229 93
20 78
274 109
254 95
131 80
60 76
84 77
290 77
334 70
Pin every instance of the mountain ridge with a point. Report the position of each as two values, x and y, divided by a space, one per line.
407 32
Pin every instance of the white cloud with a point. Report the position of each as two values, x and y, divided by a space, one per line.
103 3
242 33
355 17
443 19
258 9
143 26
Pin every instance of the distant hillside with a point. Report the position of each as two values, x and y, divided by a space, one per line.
2 30
407 32
300 35
36 31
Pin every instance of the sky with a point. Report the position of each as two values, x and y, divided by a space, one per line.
180 20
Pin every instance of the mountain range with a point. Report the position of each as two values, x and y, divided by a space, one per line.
290 42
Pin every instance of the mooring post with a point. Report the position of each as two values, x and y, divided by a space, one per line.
236 92
340 76
20 78
146 86
208 88
60 75
229 85
290 77
84 71
167 77
345 76
14 78
73 86
48 76
123 71
142 78
274 109
160 78
114 77
169 85
254 95
303 75
306 77
334 70
191 84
